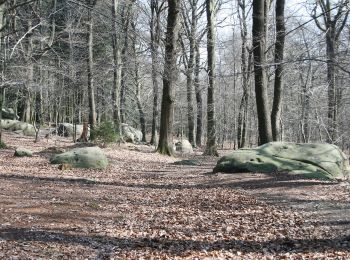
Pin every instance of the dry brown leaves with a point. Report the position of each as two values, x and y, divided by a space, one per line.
143 206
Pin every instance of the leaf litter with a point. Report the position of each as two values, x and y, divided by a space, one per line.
143 206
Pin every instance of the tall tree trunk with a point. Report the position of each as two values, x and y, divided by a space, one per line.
124 56
211 148
259 48
138 83
189 73
165 145
116 69
246 70
155 40
199 100
91 90
278 87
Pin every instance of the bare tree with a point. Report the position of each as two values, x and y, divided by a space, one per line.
278 87
211 148
165 145
259 50
91 89
332 26
157 6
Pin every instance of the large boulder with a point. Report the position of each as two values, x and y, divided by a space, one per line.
130 134
18 126
86 157
324 161
9 113
183 146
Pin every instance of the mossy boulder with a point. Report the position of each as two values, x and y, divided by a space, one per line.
324 161
18 126
86 157
23 152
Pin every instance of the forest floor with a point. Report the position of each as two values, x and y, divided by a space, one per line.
145 206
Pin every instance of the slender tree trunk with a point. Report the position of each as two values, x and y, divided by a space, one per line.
155 40
211 148
199 100
189 74
278 87
124 56
246 70
116 70
91 90
138 83
259 40
332 100
165 145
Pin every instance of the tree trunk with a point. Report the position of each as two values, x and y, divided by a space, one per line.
259 40
116 70
211 131
91 90
199 100
246 70
332 100
155 39
278 87
165 145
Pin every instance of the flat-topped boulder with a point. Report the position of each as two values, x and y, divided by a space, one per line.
18 126
86 157
314 160
23 152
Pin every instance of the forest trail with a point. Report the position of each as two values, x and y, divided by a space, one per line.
144 205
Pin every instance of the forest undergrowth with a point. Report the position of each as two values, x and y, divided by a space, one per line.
145 206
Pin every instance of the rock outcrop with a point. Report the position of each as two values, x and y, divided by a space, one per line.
314 160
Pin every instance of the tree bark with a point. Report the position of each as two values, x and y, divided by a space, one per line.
278 86
116 69
199 100
165 145
91 89
155 40
211 148
259 48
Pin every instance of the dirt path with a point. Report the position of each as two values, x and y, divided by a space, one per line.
143 205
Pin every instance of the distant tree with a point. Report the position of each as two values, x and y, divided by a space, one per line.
332 27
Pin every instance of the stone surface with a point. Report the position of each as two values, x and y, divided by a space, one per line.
130 134
86 157
9 113
18 126
183 146
324 161
23 152
67 130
